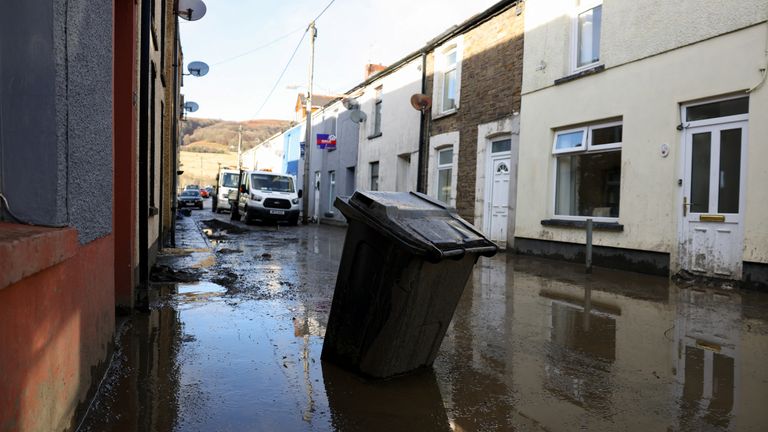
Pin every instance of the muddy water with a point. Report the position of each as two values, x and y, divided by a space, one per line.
534 345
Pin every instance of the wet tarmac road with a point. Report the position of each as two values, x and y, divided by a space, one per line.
534 345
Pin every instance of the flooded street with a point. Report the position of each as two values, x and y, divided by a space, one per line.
534 345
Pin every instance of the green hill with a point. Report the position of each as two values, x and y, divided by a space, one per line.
200 133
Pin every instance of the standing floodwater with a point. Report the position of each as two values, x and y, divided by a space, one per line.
534 345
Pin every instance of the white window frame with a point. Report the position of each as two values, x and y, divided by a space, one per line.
586 148
440 167
376 116
584 6
441 68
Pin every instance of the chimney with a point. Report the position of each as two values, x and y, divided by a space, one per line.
372 69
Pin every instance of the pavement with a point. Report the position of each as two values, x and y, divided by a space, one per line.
534 345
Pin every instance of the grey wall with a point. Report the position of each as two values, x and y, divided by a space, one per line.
339 160
56 113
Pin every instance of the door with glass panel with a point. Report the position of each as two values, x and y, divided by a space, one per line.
713 197
498 175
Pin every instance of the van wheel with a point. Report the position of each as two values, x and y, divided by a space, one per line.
247 216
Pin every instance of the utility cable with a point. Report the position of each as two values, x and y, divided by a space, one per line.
283 72
323 11
268 44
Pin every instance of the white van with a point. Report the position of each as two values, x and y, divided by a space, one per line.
226 182
269 197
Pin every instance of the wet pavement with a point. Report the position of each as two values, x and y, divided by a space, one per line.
534 345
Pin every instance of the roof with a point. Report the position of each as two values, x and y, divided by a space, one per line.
318 100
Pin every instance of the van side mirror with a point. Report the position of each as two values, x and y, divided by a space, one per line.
242 188
301 193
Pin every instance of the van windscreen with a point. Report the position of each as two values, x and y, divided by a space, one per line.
230 180
272 183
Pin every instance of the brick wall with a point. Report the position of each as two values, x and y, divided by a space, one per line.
491 77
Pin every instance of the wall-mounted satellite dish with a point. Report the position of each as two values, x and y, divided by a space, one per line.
350 103
191 106
421 102
357 116
197 68
191 10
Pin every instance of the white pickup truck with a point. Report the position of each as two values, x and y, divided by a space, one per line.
268 196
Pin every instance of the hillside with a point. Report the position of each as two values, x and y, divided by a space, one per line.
219 136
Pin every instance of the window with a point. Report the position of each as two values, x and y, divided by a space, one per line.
588 170
586 33
377 113
444 173
448 77
331 189
374 176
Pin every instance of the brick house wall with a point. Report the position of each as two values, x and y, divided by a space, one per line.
490 82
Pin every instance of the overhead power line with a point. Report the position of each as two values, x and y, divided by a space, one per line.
283 72
290 60
252 50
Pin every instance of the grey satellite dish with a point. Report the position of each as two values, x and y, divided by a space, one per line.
350 103
357 116
191 106
198 68
191 10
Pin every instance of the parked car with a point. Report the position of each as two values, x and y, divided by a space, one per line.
209 190
204 193
192 187
190 198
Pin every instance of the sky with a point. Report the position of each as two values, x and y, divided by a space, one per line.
247 44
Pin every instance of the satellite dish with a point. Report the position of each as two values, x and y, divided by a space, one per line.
191 106
421 101
191 10
350 103
357 116
198 68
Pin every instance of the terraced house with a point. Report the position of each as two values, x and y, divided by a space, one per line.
650 119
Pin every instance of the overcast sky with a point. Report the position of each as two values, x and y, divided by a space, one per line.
350 34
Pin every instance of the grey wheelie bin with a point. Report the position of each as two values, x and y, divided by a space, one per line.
406 260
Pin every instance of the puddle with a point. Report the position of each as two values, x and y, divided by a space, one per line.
534 345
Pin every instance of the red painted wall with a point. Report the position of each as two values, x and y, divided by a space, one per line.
125 149
56 328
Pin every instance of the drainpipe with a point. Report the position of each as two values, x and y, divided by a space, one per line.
421 175
143 201
175 132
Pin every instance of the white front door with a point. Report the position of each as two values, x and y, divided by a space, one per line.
497 191
713 199
316 214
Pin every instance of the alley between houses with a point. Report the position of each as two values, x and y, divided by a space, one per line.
534 345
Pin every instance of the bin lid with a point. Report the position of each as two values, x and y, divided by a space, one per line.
422 224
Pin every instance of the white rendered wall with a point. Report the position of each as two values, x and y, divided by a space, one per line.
647 94
399 127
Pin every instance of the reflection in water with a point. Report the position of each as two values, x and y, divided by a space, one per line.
534 345
410 403
707 336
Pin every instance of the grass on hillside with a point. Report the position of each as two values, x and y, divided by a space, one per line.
201 168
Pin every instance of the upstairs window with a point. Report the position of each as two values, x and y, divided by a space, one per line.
586 33
377 113
448 77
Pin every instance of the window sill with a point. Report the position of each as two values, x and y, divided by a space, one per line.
581 74
445 114
582 224
370 137
26 250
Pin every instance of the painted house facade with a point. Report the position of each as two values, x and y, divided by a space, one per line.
653 128
389 136
332 169
474 75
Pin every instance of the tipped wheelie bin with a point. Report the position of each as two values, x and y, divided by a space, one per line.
406 260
